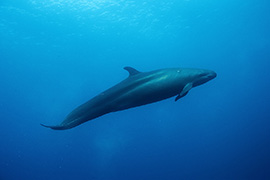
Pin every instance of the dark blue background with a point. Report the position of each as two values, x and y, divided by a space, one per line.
55 55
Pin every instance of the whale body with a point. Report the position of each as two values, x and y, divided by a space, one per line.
140 88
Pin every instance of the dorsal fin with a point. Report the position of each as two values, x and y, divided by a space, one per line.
131 71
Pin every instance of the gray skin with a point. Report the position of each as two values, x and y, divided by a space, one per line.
138 89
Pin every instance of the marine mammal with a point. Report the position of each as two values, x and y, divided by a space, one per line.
138 89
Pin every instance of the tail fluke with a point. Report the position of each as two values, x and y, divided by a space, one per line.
55 127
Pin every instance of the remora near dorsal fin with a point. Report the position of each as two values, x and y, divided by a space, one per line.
131 71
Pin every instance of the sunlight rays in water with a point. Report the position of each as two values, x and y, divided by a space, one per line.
79 5
146 18
85 19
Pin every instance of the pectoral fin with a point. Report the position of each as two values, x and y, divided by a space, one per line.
184 91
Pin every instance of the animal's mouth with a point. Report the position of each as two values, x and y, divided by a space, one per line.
211 75
205 78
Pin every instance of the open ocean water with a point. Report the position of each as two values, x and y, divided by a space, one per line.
57 54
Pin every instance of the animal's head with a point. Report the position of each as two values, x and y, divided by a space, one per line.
197 76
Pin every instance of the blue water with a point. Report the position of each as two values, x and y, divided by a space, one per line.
56 54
